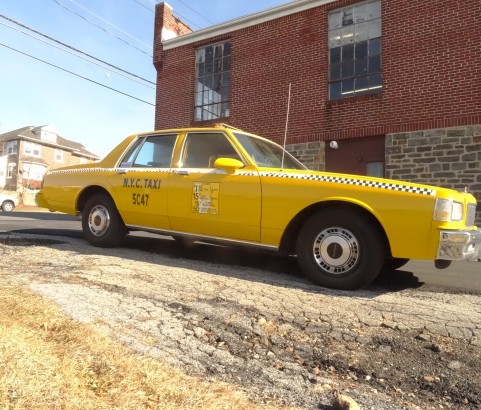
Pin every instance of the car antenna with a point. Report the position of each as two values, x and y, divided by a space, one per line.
285 131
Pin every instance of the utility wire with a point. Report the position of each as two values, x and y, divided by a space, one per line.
101 28
74 49
143 5
109 23
184 19
105 65
76 75
196 12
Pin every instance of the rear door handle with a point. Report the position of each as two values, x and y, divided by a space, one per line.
182 172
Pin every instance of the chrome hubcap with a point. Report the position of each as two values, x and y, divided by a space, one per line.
336 250
99 220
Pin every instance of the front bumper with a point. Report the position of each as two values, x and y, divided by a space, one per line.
459 245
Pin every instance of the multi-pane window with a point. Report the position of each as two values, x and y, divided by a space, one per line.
212 85
33 172
32 149
58 155
355 50
11 147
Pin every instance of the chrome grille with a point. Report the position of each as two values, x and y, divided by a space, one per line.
471 215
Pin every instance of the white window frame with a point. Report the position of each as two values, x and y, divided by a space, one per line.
58 155
33 172
212 81
32 149
355 50
11 147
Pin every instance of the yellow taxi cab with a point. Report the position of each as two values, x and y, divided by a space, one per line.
224 185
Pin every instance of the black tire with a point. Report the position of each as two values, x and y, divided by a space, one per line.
101 223
340 249
394 263
8 206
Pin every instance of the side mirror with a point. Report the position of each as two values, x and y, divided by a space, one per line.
229 164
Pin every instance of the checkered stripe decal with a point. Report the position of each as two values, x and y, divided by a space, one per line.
285 175
127 170
71 171
353 181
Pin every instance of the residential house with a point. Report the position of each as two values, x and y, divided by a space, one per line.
377 87
27 153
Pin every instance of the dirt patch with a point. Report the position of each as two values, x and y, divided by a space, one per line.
275 335
16 241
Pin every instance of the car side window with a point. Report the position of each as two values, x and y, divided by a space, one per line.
202 149
154 151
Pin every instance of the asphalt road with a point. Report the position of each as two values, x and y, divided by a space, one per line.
462 277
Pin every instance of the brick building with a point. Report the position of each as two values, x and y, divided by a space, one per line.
395 84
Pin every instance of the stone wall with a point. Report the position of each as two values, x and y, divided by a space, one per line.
447 157
311 154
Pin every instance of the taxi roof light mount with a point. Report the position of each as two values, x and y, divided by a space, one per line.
224 125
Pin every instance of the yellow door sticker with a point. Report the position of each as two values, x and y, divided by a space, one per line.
205 198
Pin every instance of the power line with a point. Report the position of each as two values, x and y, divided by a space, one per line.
109 23
76 75
196 12
85 59
101 28
105 64
143 5
184 19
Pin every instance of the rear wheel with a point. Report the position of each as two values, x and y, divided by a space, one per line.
101 223
8 206
340 249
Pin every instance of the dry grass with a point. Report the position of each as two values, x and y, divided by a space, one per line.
48 361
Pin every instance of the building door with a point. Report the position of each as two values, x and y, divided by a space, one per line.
360 156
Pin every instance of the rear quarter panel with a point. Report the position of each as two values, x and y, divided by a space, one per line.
62 188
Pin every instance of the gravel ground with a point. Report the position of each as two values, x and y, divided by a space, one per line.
252 320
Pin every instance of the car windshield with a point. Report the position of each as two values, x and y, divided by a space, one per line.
266 153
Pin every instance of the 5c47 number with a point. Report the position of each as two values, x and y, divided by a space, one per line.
140 199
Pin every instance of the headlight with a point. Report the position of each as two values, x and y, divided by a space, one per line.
457 214
448 210
471 215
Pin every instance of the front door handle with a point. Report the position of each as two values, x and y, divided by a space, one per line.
182 172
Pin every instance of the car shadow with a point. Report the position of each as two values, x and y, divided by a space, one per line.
263 266
43 216
395 281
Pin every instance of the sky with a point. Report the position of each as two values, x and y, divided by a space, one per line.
86 102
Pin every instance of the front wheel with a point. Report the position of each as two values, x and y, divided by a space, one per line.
102 225
340 249
8 206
